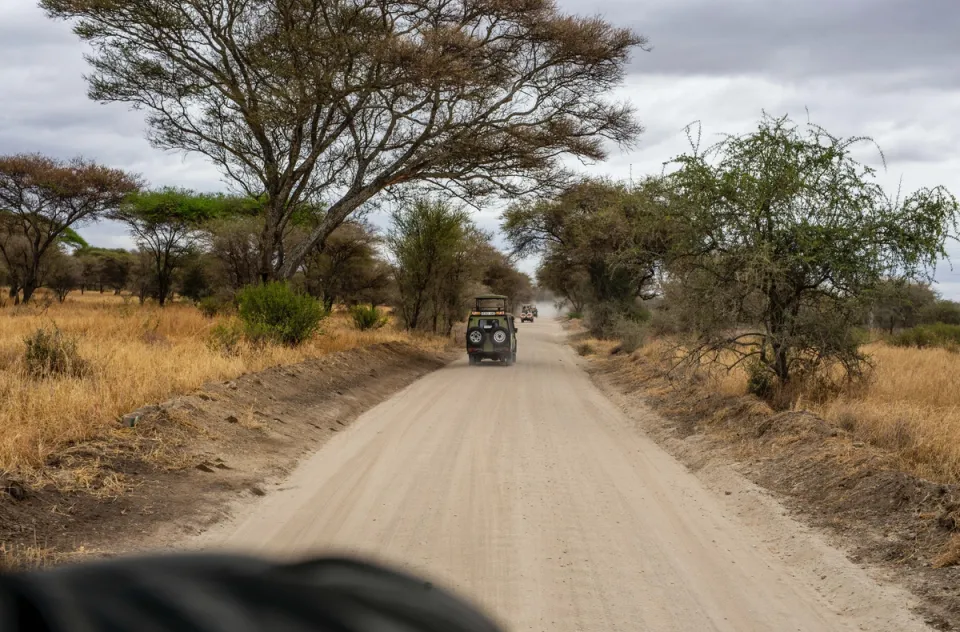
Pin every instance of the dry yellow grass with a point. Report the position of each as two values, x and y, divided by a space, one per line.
136 355
911 405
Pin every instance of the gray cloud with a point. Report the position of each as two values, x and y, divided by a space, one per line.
788 39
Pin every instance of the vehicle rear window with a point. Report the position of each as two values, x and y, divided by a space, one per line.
493 304
487 323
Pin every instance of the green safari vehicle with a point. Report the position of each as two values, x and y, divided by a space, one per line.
491 331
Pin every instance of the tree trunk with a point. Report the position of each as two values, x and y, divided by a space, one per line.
414 319
28 289
781 364
163 287
31 282
269 245
315 242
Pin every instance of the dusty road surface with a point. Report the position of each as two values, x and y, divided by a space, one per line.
526 490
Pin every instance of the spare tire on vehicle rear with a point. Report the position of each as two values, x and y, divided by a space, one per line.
475 337
500 337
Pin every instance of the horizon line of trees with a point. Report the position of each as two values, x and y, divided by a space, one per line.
769 250
207 246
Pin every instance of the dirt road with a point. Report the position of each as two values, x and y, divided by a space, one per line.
526 489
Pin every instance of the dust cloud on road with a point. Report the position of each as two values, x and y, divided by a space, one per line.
526 490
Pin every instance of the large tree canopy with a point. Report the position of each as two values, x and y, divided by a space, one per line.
333 101
166 223
786 231
41 200
601 242
348 269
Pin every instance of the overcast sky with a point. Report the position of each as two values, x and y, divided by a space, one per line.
889 69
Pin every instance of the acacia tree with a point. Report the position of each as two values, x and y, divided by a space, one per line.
115 268
787 231
233 243
424 243
499 275
63 275
349 268
102 268
941 311
143 275
603 245
898 302
42 199
165 224
18 262
333 101
571 283
463 267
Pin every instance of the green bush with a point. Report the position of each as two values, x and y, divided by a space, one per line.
611 320
275 312
574 315
367 317
50 353
935 335
942 311
225 337
209 306
760 380
630 332
600 317
216 304
860 336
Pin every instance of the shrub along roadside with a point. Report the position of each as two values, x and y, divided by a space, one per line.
935 335
367 317
225 337
275 312
631 334
50 353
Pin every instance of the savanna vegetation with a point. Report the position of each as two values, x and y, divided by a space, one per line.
776 263
317 115
106 331
772 261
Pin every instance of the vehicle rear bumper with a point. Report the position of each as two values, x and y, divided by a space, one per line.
489 355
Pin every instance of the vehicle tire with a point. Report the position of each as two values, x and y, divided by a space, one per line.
513 358
474 360
475 336
500 337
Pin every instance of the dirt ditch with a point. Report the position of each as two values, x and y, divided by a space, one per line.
173 470
906 528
